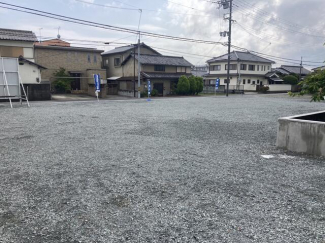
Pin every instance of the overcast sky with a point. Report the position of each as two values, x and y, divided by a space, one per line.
284 28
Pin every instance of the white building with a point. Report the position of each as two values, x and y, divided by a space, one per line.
247 71
20 44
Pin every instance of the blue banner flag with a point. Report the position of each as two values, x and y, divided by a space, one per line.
97 82
149 90
217 83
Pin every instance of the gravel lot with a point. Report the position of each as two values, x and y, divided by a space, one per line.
170 170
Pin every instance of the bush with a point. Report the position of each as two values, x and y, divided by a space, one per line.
264 89
144 93
199 85
154 92
62 83
193 85
183 85
313 84
290 79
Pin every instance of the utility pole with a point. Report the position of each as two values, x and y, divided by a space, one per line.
227 4
300 70
134 71
139 68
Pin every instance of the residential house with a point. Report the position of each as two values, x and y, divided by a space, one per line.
112 62
247 71
292 70
19 44
321 68
80 62
200 70
162 71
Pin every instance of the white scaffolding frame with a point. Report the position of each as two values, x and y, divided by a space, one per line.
6 86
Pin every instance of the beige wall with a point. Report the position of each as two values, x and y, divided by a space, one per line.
17 48
72 60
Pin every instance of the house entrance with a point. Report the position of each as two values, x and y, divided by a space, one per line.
159 87
75 83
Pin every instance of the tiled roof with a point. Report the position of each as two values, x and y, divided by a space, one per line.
295 69
17 35
241 56
123 49
164 75
282 71
161 60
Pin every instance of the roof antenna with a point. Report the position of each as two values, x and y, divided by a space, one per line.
59 36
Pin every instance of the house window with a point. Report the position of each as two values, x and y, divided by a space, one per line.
215 68
258 67
243 66
95 59
258 81
159 68
232 67
117 61
244 81
268 67
225 81
106 61
251 67
253 82
212 82
248 81
89 60
180 69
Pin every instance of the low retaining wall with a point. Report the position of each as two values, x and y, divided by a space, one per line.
127 93
279 87
303 133
40 91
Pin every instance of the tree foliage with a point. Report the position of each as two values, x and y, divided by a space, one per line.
193 85
313 84
290 79
199 84
62 82
183 85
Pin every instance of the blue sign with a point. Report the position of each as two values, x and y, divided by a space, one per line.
217 83
97 82
149 90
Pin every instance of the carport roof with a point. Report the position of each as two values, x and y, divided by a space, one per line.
164 75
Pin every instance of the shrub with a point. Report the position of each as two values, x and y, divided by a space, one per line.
62 83
290 79
154 92
264 89
199 85
144 93
183 85
313 84
193 85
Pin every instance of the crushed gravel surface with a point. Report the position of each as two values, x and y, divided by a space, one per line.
171 170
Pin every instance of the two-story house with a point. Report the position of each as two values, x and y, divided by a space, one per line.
162 71
19 44
79 62
247 71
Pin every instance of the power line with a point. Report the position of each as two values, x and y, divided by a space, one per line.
98 25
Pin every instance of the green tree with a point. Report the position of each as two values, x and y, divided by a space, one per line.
193 84
62 82
199 84
313 84
290 79
183 85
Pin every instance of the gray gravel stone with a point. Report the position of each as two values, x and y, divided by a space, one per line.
170 170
